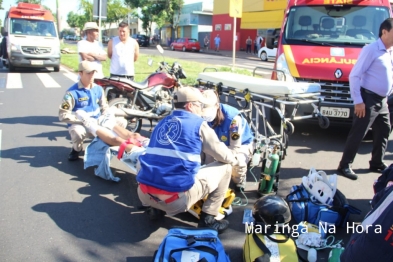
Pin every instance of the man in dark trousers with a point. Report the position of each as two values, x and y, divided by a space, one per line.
370 82
248 45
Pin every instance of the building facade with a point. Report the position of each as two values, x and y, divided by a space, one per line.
194 21
257 16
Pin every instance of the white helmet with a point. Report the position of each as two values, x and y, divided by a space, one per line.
320 186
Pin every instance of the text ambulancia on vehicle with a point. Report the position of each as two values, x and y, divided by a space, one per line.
320 41
31 38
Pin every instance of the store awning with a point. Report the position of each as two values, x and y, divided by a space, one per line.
262 20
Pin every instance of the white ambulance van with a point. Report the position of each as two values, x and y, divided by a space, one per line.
31 38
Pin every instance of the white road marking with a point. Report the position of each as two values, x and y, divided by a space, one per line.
14 81
71 76
47 80
63 68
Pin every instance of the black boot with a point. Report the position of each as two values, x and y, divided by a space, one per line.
207 220
74 155
154 213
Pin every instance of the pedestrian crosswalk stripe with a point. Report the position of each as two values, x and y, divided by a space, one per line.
47 80
14 81
71 76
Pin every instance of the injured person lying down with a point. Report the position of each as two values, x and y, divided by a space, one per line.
110 139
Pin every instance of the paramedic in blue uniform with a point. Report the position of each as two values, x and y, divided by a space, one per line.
370 83
171 177
84 95
232 129
375 243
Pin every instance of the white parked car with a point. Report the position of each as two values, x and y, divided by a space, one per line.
265 53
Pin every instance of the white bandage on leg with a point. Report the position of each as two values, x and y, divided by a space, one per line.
89 123
108 119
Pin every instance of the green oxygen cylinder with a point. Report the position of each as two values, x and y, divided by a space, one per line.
270 170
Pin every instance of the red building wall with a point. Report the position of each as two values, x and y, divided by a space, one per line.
221 21
245 33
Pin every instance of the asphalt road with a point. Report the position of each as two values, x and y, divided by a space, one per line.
54 210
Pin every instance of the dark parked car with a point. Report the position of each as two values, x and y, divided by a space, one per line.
105 39
142 40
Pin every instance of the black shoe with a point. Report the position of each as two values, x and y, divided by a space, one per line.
347 172
207 220
154 213
74 155
378 168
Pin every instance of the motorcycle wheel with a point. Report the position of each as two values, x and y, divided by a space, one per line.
133 124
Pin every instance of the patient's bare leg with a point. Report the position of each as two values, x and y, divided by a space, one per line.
109 138
124 133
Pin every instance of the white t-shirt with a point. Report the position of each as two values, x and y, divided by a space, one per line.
122 61
96 47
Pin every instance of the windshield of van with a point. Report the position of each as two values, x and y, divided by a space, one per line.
32 27
334 25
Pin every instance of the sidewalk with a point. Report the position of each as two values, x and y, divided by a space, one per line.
238 54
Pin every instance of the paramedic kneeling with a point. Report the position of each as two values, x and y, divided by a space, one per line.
233 130
171 177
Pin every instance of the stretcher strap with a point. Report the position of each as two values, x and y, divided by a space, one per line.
123 145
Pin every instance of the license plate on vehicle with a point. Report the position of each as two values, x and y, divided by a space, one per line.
194 48
335 112
37 62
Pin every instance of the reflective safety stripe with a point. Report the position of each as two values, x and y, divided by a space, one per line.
273 248
370 220
173 153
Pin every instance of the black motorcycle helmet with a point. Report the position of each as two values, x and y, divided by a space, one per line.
271 210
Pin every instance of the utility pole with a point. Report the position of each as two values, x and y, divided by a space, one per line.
58 17
99 21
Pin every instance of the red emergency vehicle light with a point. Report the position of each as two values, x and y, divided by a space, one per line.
32 11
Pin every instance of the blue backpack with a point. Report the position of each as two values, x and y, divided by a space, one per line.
191 244
303 208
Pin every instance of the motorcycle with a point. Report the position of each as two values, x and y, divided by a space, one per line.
150 99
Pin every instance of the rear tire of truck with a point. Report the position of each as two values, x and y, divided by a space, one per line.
56 69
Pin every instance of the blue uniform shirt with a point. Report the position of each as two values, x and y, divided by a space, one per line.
173 158
224 130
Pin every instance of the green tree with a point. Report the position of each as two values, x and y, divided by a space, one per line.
75 20
116 12
160 12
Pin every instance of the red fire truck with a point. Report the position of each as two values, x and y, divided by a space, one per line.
31 38
320 41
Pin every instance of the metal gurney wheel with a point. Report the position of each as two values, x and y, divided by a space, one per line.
323 121
288 127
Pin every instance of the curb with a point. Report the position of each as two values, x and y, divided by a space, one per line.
222 53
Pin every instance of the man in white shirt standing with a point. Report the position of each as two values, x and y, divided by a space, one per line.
90 49
123 52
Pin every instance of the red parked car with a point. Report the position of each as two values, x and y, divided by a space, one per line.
186 44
